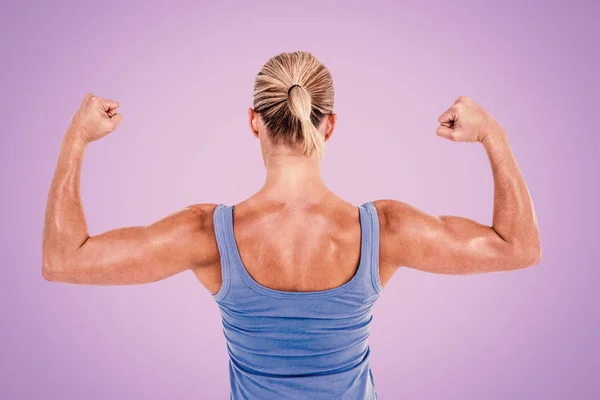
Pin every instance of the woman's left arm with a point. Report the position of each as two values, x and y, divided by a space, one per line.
132 255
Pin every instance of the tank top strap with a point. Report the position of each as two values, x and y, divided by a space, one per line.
370 221
225 245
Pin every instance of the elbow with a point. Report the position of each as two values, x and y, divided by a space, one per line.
529 256
53 270
534 256
535 251
50 273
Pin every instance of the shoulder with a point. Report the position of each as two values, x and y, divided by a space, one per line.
396 216
403 230
202 213
194 218
194 229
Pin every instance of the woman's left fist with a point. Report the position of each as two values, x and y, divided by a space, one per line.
96 118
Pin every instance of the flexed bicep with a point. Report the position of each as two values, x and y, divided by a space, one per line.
140 254
442 244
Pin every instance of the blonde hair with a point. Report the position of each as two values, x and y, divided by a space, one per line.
293 92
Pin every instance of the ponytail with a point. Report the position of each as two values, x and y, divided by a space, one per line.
313 140
300 105
293 93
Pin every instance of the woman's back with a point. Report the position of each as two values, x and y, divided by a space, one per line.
304 340
305 248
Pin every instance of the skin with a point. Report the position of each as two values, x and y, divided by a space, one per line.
317 240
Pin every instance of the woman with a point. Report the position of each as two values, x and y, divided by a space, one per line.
294 268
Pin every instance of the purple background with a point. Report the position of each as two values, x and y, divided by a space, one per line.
183 73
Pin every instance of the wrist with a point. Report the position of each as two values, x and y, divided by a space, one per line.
493 133
496 145
76 136
74 140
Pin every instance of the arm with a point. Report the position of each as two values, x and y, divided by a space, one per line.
129 255
456 245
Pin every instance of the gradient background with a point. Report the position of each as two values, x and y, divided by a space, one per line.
183 73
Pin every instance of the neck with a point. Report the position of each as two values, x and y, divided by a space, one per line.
293 179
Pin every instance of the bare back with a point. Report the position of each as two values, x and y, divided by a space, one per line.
309 248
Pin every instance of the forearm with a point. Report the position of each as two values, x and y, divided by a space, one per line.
65 228
514 216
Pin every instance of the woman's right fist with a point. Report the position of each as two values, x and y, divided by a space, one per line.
96 118
466 121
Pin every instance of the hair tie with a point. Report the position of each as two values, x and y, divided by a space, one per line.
305 119
291 87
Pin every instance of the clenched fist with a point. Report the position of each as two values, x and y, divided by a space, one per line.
466 121
96 118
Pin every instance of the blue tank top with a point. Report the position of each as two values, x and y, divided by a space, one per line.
298 345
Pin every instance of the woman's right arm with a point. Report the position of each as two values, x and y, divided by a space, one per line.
457 245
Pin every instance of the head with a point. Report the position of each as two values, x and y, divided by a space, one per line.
293 106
